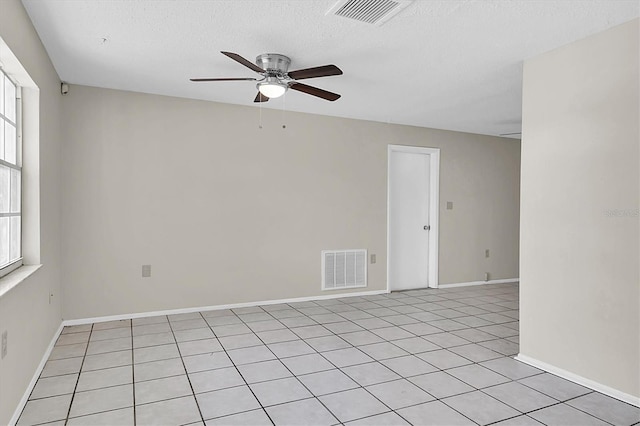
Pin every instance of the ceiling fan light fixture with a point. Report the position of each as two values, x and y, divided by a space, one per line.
272 88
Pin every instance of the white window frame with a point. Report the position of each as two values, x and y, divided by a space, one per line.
17 262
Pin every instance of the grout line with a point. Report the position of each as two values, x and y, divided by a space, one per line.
133 375
243 379
186 373
66 420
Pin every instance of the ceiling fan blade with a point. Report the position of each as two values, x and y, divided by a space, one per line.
221 79
260 98
330 96
243 61
323 71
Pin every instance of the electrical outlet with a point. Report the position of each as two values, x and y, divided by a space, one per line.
146 271
373 258
486 276
486 253
4 345
449 205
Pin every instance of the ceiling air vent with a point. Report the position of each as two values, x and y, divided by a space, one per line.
375 12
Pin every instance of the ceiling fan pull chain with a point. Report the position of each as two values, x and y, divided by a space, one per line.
284 103
260 121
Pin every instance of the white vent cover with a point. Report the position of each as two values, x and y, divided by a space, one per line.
375 12
344 269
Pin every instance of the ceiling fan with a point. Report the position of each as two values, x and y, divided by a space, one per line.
276 78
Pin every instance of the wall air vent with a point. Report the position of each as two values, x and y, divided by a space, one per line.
375 12
344 269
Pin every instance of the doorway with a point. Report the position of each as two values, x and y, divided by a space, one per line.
412 217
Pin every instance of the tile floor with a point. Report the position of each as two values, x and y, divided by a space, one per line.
424 357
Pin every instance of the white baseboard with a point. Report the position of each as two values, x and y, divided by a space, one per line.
599 387
470 283
34 379
218 307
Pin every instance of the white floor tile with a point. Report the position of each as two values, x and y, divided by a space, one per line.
99 400
240 341
434 413
177 411
325 382
112 345
520 397
45 410
263 371
386 419
480 408
193 334
511 368
155 353
289 349
353 404
305 364
112 333
443 359
327 343
370 373
440 384
62 366
249 355
302 413
408 366
279 391
107 360
72 338
54 386
97 379
210 380
68 351
607 408
155 339
563 414
554 386
197 347
346 357
226 402
311 331
477 376
122 417
158 369
253 418
384 350
399 394
161 389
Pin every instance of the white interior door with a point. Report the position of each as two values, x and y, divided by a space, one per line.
409 185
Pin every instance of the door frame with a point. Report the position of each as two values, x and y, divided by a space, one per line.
434 206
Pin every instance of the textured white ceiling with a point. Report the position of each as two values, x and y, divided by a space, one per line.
450 64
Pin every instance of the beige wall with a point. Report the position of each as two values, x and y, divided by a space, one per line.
579 265
26 313
226 212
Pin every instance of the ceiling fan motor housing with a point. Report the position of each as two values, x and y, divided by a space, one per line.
274 63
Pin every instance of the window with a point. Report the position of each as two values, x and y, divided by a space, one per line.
10 177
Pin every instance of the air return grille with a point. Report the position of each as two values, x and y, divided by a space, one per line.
375 12
344 269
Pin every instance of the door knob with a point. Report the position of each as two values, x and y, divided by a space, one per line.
427 227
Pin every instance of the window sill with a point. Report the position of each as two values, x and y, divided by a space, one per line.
14 278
